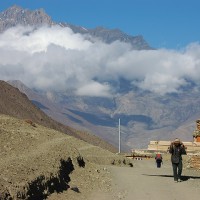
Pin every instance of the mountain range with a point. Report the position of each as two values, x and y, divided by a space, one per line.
143 115
16 15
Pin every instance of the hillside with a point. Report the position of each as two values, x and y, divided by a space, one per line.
37 161
16 104
148 117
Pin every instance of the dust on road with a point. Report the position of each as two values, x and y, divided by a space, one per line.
146 182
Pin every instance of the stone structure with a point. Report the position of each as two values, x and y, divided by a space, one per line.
164 145
196 133
191 146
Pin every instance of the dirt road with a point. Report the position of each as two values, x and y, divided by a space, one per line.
146 182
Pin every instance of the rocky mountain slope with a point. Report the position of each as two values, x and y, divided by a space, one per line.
16 104
148 117
37 162
16 15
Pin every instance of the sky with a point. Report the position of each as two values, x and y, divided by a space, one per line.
163 23
55 58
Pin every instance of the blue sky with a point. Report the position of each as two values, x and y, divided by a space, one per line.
171 24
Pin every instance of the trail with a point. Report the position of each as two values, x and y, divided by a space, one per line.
146 182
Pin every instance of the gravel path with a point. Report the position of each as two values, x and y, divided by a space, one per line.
145 181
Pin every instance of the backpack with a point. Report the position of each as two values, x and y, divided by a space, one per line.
182 149
176 155
158 156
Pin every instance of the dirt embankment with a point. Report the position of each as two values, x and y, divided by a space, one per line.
40 163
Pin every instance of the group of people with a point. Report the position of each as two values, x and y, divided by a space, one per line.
176 149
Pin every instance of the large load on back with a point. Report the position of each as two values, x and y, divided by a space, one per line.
196 133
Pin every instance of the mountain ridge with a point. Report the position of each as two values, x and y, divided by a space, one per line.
16 104
16 15
147 118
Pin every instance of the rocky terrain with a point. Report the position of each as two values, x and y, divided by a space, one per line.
16 104
37 162
41 163
41 158
148 117
16 15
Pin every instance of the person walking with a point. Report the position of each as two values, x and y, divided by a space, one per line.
177 149
158 159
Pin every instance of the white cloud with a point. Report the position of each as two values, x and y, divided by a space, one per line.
161 83
94 88
35 40
56 58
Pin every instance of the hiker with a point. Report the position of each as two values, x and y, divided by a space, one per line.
177 149
158 159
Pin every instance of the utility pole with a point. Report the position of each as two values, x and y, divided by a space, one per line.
119 138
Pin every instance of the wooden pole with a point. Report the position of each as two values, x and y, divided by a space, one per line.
119 138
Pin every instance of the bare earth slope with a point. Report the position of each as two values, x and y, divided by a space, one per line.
41 163
37 163
17 104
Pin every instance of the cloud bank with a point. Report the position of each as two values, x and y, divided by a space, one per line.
57 59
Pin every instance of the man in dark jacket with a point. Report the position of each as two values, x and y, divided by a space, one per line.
177 149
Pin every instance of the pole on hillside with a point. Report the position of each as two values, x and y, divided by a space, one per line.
119 138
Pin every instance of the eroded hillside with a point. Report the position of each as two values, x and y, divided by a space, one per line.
36 162
16 104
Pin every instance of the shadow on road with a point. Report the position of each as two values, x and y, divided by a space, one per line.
184 178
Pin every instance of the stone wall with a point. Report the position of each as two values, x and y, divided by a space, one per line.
164 145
